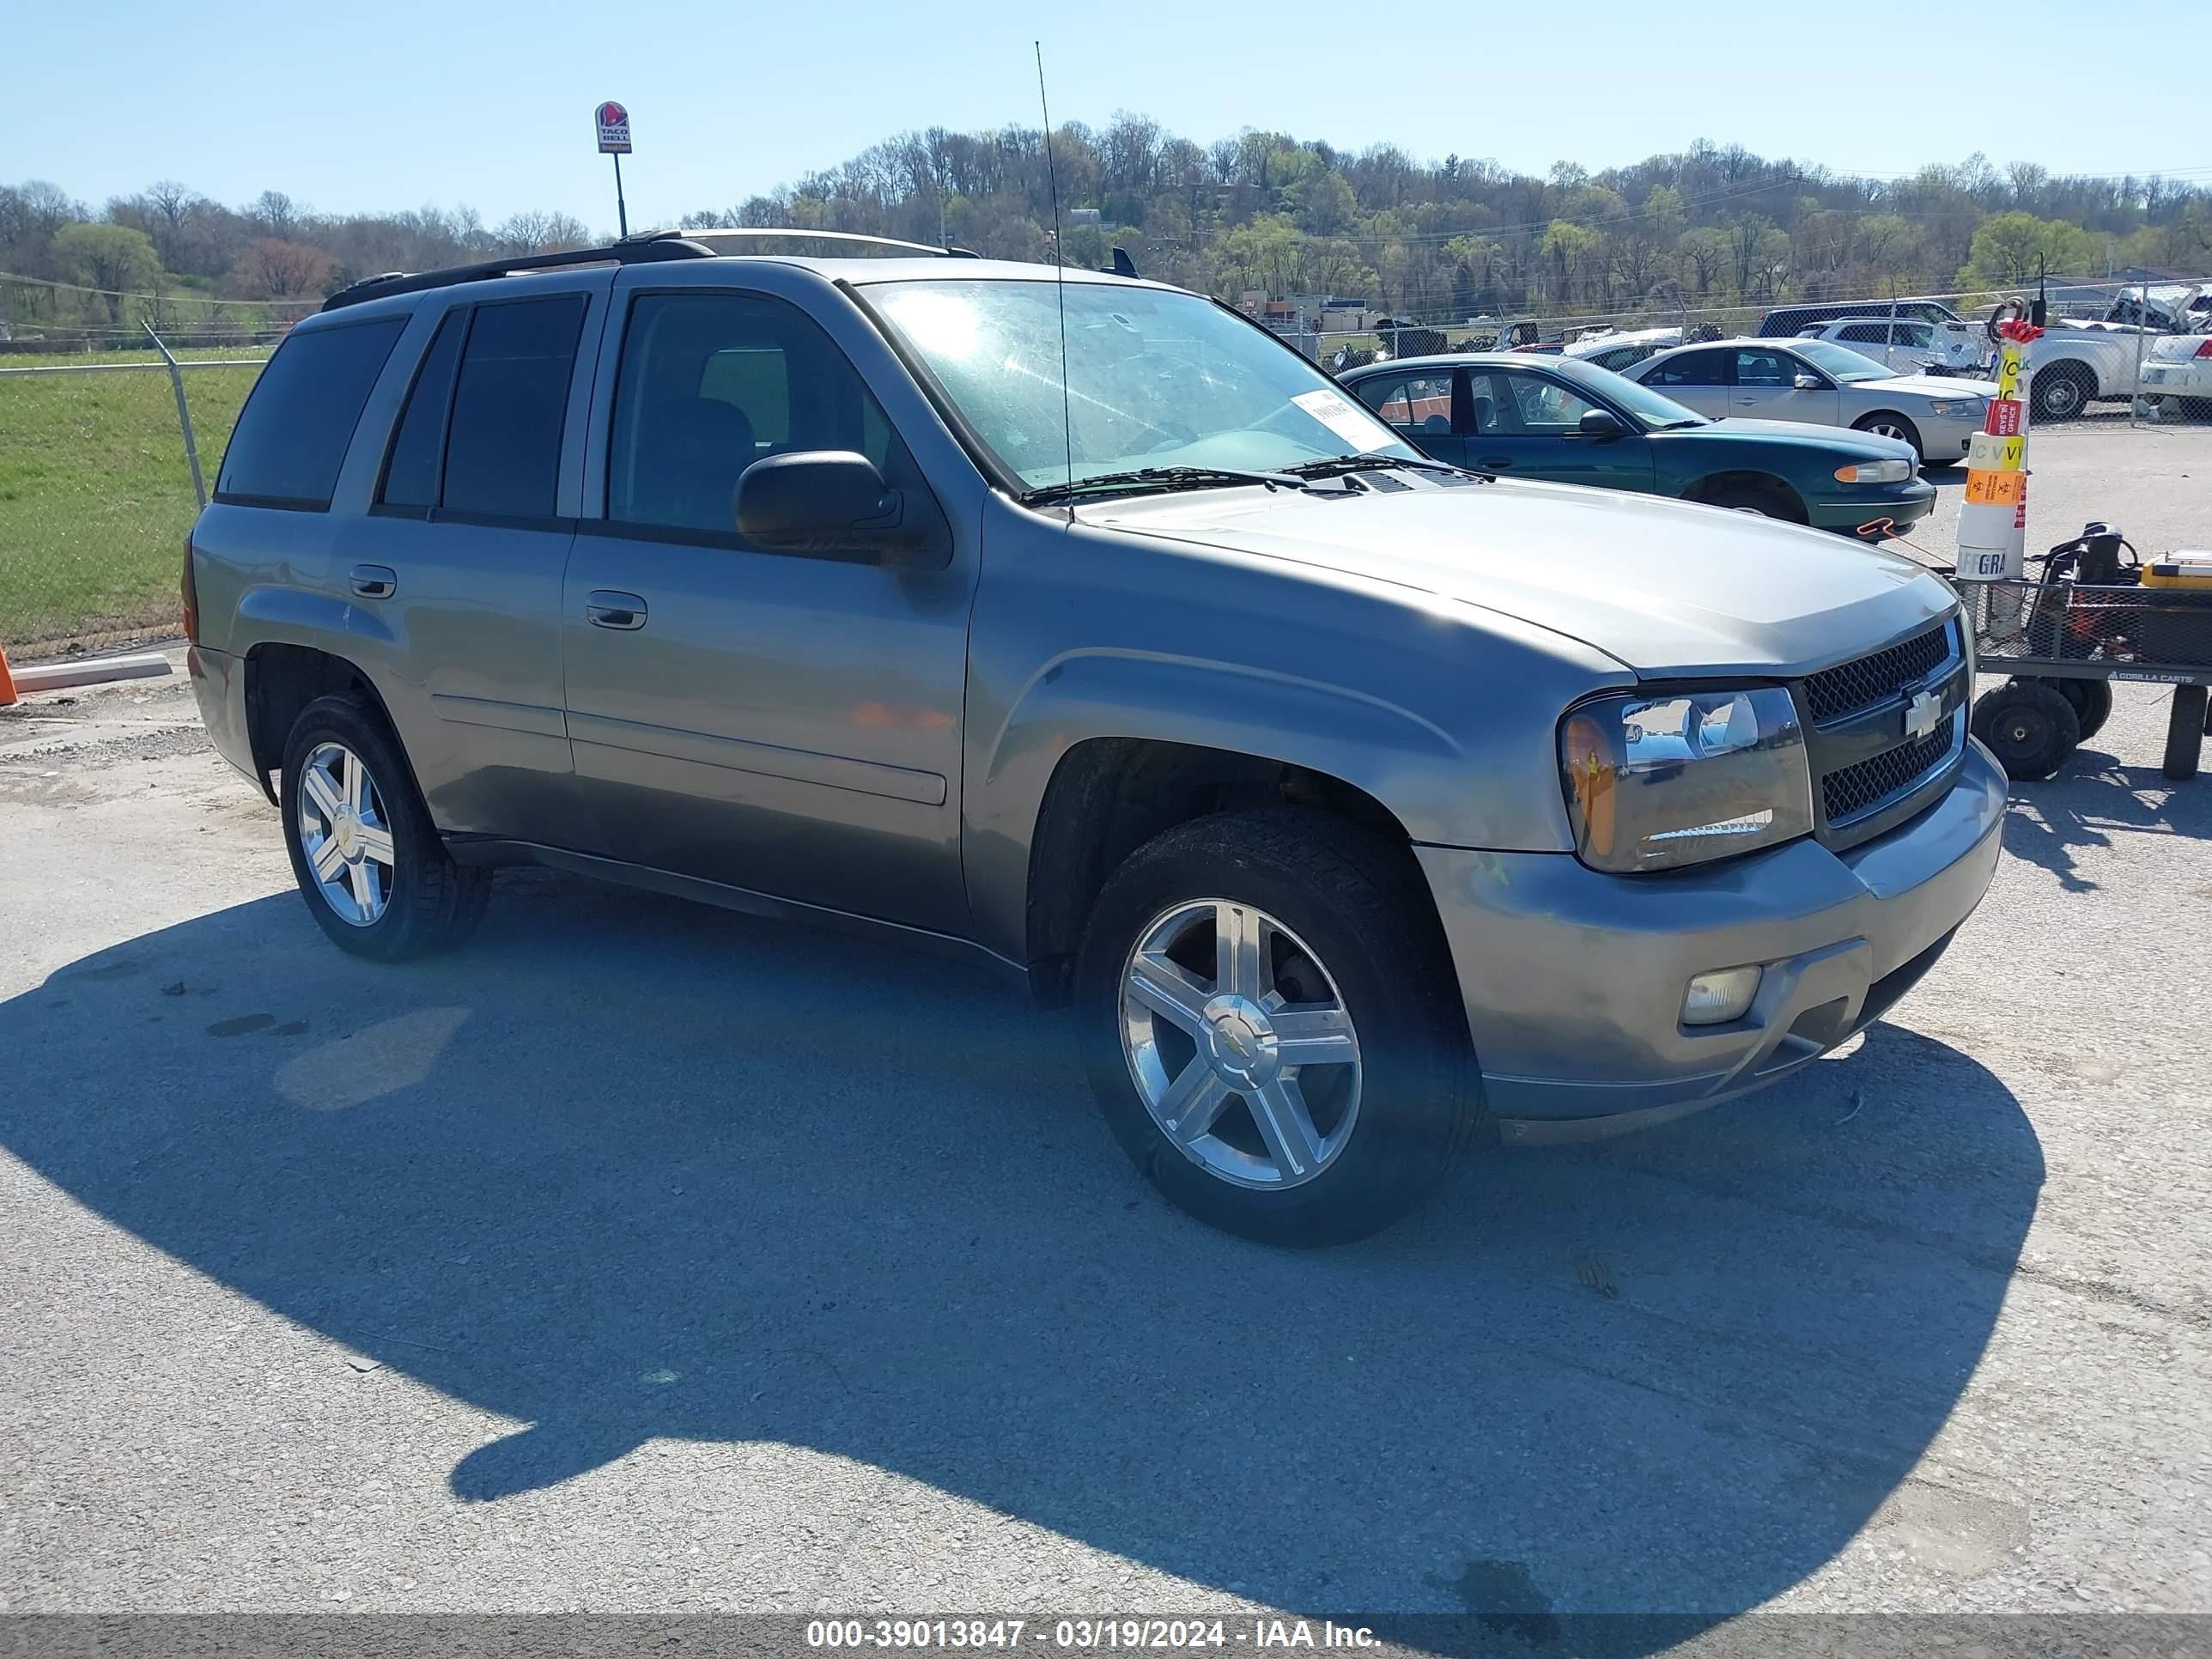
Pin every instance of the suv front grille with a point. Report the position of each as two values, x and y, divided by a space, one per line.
1846 792
1846 689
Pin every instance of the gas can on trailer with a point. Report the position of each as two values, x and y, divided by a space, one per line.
2191 570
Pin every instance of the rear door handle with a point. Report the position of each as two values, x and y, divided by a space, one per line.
605 608
1495 462
373 581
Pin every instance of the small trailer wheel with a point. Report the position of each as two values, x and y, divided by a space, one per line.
2030 727
2091 700
2184 731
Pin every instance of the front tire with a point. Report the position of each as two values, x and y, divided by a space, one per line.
1888 424
1762 499
1225 946
376 877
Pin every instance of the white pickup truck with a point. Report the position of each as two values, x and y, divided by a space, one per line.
2075 364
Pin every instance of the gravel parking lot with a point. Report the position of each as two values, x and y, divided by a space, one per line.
645 1257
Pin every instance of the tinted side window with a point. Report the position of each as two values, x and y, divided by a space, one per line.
410 473
711 383
1413 403
1864 334
1764 368
503 453
1690 369
1489 404
1545 406
292 436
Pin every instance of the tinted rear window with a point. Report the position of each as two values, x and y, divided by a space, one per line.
410 474
503 451
291 439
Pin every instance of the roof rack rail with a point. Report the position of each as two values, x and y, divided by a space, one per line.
649 248
773 232
637 251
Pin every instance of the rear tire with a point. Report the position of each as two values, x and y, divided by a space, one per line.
1887 423
1339 918
2060 392
375 874
2092 701
2028 727
2184 732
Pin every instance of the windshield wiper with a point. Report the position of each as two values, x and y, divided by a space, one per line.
1333 466
1159 478
1676 426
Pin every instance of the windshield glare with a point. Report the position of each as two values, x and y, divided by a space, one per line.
1639 400
1156 378
1841 362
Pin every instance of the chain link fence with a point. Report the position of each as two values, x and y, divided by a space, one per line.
98 489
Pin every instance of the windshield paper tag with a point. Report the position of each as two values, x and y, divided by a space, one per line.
1341 418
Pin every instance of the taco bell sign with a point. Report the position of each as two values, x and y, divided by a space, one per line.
614 129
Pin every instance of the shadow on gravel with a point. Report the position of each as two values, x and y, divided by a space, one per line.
2093 799
626 1169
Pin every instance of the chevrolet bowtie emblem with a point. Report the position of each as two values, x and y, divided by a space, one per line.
1923 714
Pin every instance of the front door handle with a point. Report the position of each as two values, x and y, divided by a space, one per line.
373 581
605 608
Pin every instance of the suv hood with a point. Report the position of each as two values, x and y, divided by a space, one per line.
1663 587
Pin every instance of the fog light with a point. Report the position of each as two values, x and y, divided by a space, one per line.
1720 996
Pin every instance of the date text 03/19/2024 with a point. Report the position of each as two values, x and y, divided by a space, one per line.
1086 1635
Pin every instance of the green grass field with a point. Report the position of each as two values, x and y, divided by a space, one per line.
96 497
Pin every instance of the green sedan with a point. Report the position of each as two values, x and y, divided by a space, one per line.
1567 422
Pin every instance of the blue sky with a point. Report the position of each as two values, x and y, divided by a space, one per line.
397 103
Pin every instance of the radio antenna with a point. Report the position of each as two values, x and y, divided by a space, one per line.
1060 271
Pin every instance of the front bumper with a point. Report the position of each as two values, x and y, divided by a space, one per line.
1948 437
1573 979
1900 505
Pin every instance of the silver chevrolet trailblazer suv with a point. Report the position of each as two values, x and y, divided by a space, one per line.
1361 805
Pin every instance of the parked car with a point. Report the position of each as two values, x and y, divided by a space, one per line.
2177 374
1905 347
1570 422
1355 802
1821 383
1617 348
1786 322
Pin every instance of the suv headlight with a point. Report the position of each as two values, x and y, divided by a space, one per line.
1874 472
1654 780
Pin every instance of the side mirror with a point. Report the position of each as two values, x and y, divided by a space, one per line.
1601 424
834 502
1809 383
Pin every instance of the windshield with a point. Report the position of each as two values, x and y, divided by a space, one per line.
1639 400
1156 379
1841 362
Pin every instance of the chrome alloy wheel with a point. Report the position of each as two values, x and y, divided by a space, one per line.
345 834
1239 1044
1887 429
